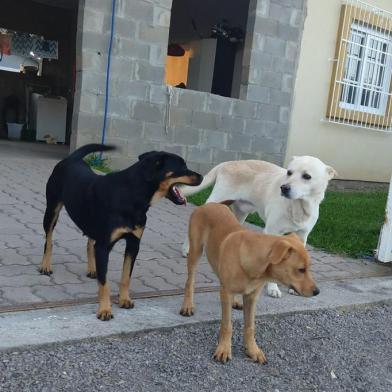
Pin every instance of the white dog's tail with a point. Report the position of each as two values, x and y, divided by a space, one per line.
208 180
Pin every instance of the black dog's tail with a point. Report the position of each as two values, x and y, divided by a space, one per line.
88 149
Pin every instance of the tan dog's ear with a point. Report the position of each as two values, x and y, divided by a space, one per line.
280 251
331 172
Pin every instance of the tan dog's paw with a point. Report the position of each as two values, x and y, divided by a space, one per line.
126 303
223 353
105 314
187 310
256 354
45 271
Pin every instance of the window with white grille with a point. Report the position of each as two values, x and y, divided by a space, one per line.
360 93
367 72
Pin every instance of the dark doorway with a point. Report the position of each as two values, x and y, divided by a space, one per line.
43 97
206 45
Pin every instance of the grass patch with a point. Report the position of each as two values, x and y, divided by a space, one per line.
349 222
98 163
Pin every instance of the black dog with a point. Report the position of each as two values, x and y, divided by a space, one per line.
109 208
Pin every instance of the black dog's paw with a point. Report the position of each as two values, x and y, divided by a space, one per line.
187 311
105 315
45 271
126 303
92 275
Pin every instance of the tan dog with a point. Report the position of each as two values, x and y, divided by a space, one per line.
244 261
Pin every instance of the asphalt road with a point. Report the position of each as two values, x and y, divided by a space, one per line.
334 350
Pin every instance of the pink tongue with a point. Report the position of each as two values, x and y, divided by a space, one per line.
178 194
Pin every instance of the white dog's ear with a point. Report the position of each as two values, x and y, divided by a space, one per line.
331 172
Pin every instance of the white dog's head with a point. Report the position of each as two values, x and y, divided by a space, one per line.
306 177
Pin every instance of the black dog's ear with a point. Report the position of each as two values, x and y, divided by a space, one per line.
147 154
153 161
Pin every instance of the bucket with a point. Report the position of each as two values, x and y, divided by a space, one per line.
14 131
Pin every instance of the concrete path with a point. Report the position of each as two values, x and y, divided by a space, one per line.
160 269
61 324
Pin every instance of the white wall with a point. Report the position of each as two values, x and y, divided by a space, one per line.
357 154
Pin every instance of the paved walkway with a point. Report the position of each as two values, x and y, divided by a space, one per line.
160 269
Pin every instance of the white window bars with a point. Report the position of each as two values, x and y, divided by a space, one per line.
360 93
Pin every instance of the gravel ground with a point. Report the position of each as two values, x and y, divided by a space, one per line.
334 350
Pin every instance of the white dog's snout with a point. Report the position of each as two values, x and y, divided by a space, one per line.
285 189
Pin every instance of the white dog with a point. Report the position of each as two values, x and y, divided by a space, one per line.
287 200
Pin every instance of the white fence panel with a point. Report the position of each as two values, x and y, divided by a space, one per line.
384 251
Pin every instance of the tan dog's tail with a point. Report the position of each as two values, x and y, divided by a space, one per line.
208 180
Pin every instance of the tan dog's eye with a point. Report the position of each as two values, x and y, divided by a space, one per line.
289 173
302 270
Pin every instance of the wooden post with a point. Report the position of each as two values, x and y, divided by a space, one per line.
384 251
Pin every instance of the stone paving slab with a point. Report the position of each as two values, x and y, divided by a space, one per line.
159 269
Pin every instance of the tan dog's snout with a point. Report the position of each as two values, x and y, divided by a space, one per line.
307 293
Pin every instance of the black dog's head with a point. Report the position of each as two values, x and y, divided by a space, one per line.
168 170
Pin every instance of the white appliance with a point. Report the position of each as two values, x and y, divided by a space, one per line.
50 117
13 63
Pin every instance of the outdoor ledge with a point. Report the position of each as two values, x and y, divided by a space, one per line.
37 327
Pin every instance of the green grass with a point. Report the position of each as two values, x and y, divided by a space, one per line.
95 162
349 222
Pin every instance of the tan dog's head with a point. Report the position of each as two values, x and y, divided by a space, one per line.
306 178
289 263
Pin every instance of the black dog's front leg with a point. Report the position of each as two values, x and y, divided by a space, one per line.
105 307
131 252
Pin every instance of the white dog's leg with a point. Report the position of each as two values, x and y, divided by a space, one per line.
239 212
304 237
273 290
185 247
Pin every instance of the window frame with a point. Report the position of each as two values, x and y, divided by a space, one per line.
369 33
372 26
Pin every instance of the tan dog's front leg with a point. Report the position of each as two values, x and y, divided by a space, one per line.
187 308
223 351
252 349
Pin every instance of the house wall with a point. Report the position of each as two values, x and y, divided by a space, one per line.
203 128
357 154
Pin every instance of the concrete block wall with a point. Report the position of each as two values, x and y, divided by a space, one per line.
203 128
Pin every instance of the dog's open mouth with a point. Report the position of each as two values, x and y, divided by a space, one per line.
176 196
